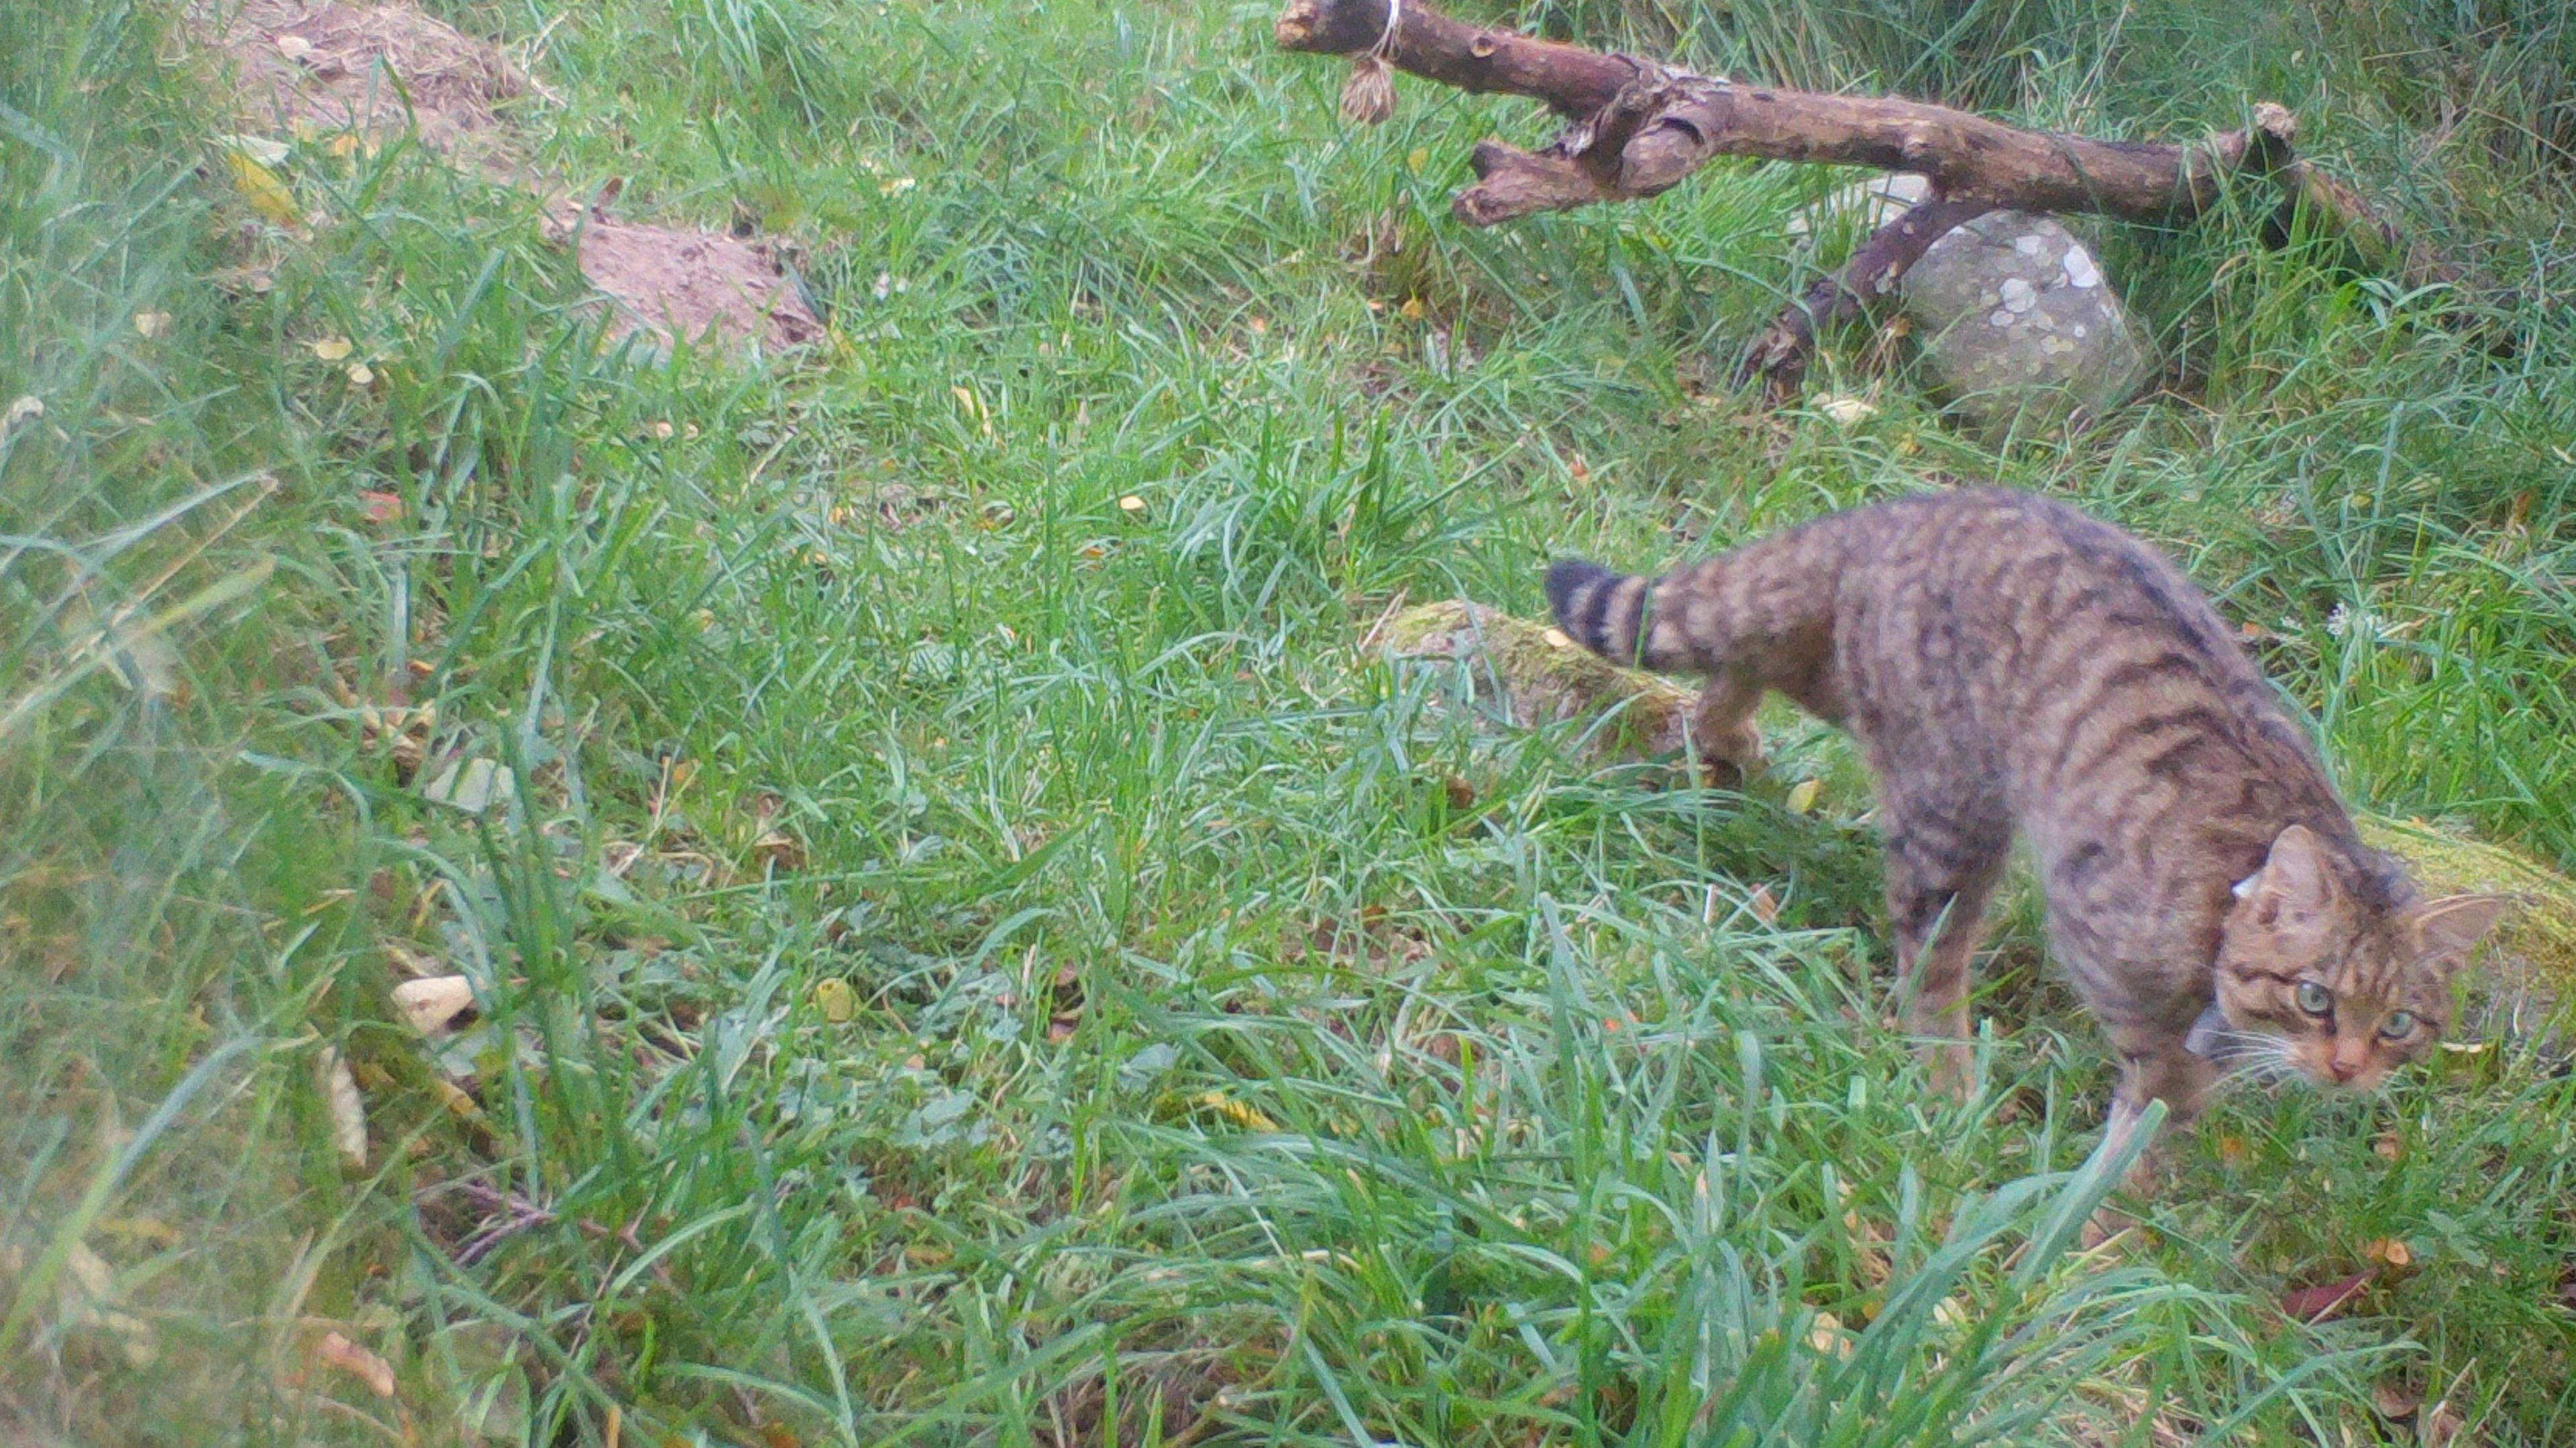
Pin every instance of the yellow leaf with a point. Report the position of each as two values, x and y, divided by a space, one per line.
459 1104
141 1229
1236 1112
835 1000
1132 506
1412 310
1802 796
1416 159
331 349
266 194
360 374
335 1351
151 324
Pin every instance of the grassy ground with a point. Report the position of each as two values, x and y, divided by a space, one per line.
972 952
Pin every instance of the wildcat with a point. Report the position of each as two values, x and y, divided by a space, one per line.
2008 663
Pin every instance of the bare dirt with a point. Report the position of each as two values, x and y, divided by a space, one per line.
695 284
379 70
387 71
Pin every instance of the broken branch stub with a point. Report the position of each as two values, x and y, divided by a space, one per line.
1636 127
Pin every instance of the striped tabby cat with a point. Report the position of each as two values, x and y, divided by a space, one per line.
2007 663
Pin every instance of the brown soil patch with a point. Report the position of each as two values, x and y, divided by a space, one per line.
379 70
695 284
387 70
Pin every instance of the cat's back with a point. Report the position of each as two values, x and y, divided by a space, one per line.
2055 647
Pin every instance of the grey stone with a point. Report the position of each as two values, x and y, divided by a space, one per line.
2019 325
1868 204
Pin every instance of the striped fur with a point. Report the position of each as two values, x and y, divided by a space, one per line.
2008 664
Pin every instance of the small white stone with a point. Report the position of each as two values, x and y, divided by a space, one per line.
2082 331
2080 270
2019 295
2000 318
2029 245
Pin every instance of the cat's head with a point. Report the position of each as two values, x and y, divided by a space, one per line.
2328 966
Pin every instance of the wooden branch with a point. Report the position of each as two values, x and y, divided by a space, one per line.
1640 127
1635 128
1780 354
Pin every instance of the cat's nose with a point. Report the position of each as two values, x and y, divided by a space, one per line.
2343 1070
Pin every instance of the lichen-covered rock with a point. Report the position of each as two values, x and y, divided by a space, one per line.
1863 205
2019 324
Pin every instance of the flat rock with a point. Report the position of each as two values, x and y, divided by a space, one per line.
2019 325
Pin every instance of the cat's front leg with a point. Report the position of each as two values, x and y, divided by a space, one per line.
2154 1066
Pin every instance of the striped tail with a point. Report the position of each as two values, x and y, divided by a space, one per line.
1606 612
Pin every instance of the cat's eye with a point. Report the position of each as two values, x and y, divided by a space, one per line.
2315 999
2398 1026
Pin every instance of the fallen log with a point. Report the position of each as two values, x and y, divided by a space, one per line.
1636 127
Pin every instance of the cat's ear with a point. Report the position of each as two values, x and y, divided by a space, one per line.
2295 885
2454 924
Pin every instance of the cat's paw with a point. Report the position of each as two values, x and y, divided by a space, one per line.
1954 1070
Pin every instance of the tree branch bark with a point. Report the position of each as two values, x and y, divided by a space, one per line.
1780 354
1635 128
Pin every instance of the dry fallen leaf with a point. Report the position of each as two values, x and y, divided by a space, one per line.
1802 796
360 374
23 409
1765 907
2394 1399
348 1110
432 1005
294 47
2391 1253
1250 1118
1846 410
2317 1303
472 785
332 349
382 507
779 850
260 187
89 1298
151 324
335 1351
1132 506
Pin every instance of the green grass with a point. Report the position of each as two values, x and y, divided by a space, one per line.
1240 1045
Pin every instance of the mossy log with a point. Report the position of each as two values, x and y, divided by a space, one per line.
1538 676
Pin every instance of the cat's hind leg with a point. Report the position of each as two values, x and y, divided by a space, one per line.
1721 726
1941 870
